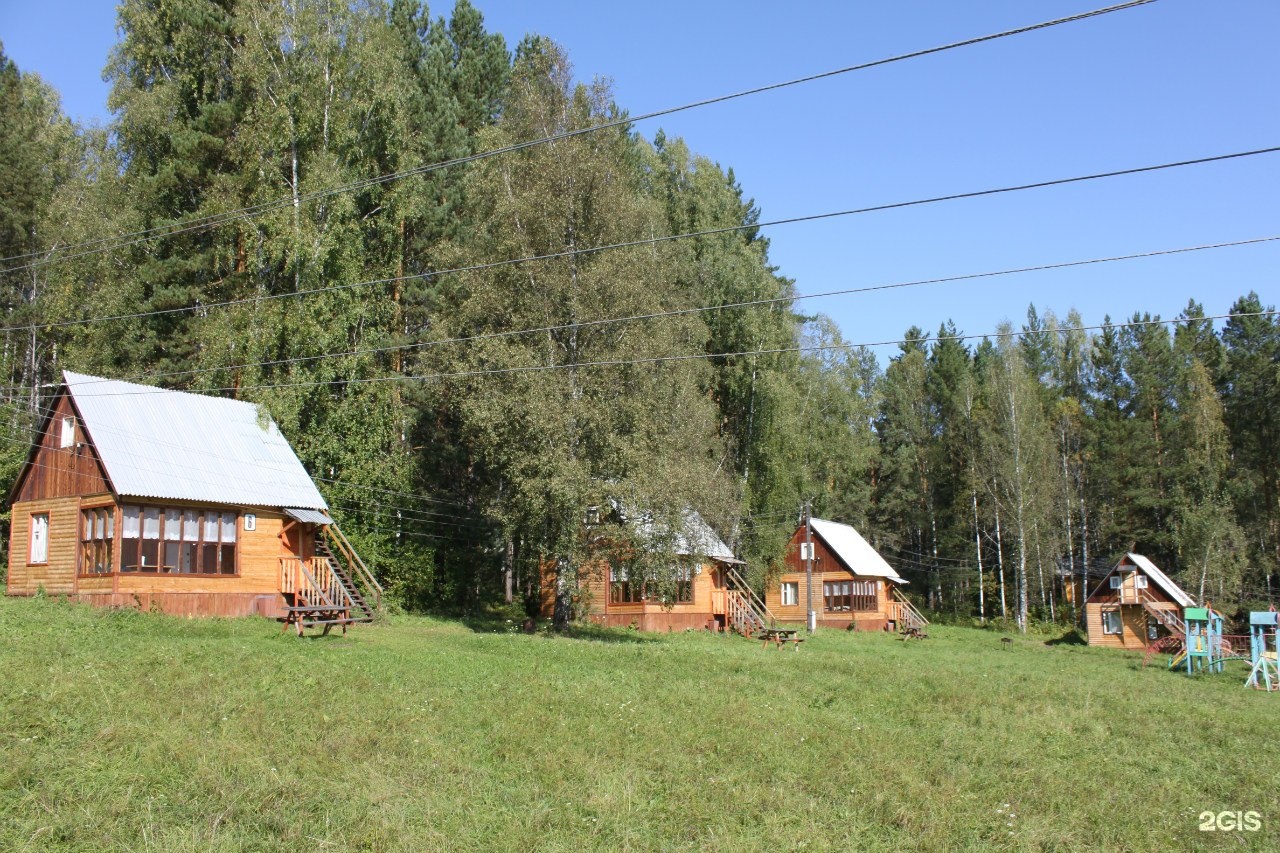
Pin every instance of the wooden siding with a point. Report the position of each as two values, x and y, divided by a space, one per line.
58 574
1128 592
647 616
255 589
190 603
58 472
826 567
1133 625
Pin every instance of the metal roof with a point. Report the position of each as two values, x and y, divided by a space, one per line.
156 443
1162 580
854 551
695 538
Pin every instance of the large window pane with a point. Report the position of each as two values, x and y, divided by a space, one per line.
172 525
227 563
190 526
40 538
129 525
208 558
129 555
228 527
187 558
150 523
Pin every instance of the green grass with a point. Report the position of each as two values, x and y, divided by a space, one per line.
125 730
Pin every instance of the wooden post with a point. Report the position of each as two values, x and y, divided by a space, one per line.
811 618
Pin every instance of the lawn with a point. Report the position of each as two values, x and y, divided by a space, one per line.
126 730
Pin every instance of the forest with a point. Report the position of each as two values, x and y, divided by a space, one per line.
333 211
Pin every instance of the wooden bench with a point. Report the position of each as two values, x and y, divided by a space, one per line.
914 633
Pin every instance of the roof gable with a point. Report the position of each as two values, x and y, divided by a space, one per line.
156 443
1160 578
1140 563
695 538
854 551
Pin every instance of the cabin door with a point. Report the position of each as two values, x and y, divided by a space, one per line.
300 539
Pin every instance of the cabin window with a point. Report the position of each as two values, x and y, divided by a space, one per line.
835 596
684 583
622 589
1111 622
790 593
68 433
97 531
844 596
1116 581
39 538
177 541
1153 629
1140 581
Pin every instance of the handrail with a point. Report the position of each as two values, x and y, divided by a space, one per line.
763 609
335 534
907 611
322 583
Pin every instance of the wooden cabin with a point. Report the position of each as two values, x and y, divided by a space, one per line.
853 586
1134 605
136 496
708 590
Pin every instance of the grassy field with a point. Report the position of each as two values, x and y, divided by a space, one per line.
125 730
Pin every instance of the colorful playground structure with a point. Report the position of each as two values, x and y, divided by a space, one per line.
1204 648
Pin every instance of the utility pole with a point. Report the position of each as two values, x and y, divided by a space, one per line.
811 617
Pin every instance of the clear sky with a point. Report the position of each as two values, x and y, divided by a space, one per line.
1174 80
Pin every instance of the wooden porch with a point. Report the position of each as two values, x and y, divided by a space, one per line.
332 588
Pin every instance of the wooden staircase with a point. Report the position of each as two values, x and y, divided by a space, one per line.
334 587
1170 619
906 618
745 612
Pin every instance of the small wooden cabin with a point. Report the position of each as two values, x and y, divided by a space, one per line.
136 496
1134 605
708 590
853 586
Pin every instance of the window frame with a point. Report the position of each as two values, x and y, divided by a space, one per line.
794 587
1107 615
1117 581
106 518
31 539
171 533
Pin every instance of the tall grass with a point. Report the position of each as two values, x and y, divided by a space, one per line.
124 730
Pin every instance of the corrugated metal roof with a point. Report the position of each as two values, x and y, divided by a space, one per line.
156 443
308 516
696 538
1162 580
856 553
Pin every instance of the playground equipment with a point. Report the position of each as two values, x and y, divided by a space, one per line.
1202 646
1263 673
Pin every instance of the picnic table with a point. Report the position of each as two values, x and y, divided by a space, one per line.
779 637
316 615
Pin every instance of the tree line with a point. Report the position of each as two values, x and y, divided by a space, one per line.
433 346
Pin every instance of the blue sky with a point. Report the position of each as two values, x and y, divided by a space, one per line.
1174 80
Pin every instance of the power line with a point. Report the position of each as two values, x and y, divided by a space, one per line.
667 359
754 303
133 238
649 241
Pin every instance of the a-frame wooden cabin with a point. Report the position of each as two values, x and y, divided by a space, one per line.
137 496
853 586
1134 605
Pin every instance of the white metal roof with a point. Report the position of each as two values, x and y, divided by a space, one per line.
696 538
1162 580
857 554
156 443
